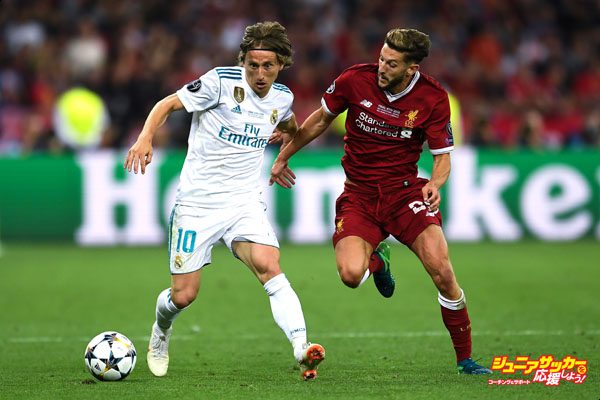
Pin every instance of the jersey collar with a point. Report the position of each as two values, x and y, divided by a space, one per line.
393 97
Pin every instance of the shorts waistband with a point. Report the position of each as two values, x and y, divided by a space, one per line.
379 189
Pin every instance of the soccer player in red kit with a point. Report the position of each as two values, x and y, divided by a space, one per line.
392 110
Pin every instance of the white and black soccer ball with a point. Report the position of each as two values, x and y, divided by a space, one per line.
110 356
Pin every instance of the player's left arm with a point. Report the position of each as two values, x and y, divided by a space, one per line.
311 128
439 176
439 136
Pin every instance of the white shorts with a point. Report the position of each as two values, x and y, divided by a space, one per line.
194 231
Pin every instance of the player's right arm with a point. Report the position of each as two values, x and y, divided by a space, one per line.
334 101
313 127
140 154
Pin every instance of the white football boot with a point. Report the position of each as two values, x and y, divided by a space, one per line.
309 359
158 351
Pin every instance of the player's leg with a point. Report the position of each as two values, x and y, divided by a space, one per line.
184 289
352 256
263 261
409 221
431 248
187 255
357 233
356 261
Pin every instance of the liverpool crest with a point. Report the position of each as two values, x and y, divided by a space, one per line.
238 94
339 226
410 118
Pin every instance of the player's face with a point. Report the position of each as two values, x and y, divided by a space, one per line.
394 74
262 69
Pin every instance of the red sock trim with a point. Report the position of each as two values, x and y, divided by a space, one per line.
375 263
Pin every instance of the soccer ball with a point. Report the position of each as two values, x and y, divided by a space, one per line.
110 356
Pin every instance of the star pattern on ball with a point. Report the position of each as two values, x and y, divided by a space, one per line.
110 356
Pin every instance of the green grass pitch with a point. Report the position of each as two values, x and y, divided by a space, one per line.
524 299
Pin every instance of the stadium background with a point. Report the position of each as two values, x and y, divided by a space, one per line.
522 208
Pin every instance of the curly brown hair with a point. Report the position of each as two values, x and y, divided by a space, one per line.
269 35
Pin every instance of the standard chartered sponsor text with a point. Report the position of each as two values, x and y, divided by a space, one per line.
375 126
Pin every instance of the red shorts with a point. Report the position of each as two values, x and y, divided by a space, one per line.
374 215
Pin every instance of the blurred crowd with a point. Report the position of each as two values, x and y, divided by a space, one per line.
526 72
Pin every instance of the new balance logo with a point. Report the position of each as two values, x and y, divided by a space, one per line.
366 103
236 109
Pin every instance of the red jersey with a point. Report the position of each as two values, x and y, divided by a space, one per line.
385 132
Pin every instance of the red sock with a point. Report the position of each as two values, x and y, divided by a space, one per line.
375 263
458 324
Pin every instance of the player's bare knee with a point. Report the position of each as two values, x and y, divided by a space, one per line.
350 278
183 298
350 282
267 270
351 270
267 276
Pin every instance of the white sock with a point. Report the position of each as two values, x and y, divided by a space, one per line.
166 310
287 310
458 304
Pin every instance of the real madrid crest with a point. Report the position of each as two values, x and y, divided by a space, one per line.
238 94
274 117
178 262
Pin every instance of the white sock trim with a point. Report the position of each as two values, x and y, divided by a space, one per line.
276 283
365 277
166 310
458 304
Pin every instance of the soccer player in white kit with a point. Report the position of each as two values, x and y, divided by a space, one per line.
235 112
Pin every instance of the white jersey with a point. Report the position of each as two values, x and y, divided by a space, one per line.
231 126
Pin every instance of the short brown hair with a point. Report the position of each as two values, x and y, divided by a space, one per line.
411 42
268 35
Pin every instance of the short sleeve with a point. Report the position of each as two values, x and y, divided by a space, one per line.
335 99
201 94
288 112
438 129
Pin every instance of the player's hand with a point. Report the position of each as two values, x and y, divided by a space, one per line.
282 174
139 156
431 197
276 136
280 136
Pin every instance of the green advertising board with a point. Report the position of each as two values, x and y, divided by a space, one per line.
491 195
